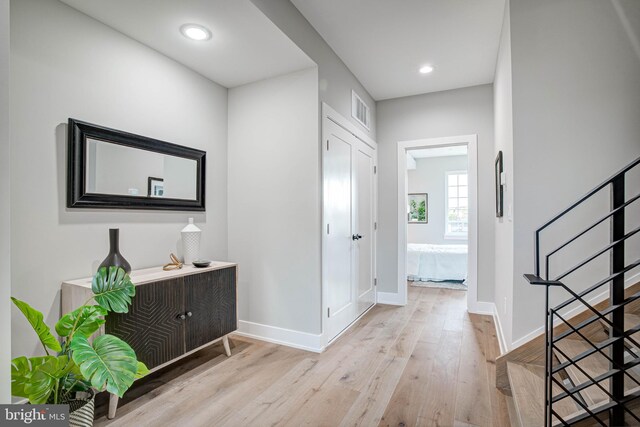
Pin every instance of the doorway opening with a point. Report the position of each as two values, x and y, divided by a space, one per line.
437 215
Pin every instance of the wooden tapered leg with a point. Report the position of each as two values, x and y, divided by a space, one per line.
225 342
113 406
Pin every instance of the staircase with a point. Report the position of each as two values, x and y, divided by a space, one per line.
585 369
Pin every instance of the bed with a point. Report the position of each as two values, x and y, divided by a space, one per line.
426 262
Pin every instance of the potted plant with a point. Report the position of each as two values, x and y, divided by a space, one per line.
75 366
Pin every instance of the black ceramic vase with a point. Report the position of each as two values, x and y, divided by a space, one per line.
115 258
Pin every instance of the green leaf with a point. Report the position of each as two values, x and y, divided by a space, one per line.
113 289
73 382
21 370
142 371
42 382
87 320
109 363
20 373
36 319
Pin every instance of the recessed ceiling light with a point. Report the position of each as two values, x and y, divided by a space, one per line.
195 32
426 69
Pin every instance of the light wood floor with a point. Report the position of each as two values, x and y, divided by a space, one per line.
427 364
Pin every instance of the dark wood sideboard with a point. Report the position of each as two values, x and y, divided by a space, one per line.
173 314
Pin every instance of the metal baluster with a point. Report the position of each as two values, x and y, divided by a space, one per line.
548 388
616 296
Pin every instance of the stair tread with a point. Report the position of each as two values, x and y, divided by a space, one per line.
594 365
633 406
527 386
630 321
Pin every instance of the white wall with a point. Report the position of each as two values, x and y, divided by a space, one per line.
576 110
335 80
179 174
503 119
5 213
429 177
136 167
180 178
65 64
274 201
449 113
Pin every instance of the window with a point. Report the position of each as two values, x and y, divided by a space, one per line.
457 214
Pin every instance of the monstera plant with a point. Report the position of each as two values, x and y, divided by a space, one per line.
75 362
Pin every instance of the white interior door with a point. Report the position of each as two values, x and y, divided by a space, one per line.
338 211
365 227
348 175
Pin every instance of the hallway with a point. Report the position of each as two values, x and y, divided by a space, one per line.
429 363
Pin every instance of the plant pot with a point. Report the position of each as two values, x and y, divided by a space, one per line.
81 410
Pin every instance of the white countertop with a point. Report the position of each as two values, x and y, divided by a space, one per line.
154 274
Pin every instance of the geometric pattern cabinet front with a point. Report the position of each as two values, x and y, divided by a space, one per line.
152 326
210 302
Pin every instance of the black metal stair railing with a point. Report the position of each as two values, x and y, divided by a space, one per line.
615 410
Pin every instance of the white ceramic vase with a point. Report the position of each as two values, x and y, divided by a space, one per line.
191 242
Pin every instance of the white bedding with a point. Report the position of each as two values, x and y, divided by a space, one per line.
436 262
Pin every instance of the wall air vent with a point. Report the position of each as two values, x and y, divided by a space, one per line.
360 111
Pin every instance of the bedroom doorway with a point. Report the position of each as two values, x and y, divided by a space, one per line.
437 215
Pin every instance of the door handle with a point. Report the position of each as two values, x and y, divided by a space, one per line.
356 237
189 314
181 316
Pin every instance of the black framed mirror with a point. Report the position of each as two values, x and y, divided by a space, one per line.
108 168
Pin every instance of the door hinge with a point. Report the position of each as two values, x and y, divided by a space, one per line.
375 169
375 225
327 145
375 282
328 311
327 228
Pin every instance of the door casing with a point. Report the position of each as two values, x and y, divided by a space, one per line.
330 117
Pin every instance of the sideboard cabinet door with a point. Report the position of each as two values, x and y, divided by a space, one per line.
210 299
152 327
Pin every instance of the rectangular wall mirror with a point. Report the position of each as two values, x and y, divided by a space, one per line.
109 168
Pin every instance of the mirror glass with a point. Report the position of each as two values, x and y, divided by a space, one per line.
127 171
109 168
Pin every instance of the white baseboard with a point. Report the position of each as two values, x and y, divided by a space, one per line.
389 298
481 307
499 332
282 336
574 311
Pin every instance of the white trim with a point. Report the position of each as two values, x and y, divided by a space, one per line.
342 121
471 141
329 114
447 235
350 325
390 298
574 311
282 336
499 333
481 307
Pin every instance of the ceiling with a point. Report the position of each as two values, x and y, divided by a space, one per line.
423 153
245 45
384 42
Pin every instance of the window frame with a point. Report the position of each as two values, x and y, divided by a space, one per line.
448 235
